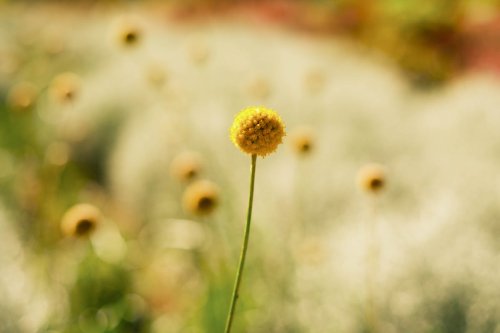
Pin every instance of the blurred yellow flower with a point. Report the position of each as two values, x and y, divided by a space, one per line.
22 96
371 178
127 32
65 87
257 130
302 140
186 166
201 197
80 220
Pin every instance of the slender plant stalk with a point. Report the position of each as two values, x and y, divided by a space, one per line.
373 266
244 248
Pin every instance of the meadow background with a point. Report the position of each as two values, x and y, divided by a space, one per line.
99 99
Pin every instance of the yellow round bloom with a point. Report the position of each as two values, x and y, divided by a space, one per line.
186 166
302 140
129 35
201 197
371 178
22 96
257 130
65 87
81 220
127 31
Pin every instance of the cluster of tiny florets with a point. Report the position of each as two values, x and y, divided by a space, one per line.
257 130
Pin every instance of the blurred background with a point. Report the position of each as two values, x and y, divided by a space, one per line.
123 201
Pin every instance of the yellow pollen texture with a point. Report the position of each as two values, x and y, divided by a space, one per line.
257 130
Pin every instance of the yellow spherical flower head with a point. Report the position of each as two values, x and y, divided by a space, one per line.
302 140
371 178
201 197
129 35
127 31
65 87
186 166
257 130
80 220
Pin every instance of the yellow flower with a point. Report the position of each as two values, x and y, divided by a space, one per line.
65 87
371 178
22 96
201 197
257 130
186 166
80 220
302 140
127 32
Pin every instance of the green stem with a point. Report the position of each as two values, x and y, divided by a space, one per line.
244 247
